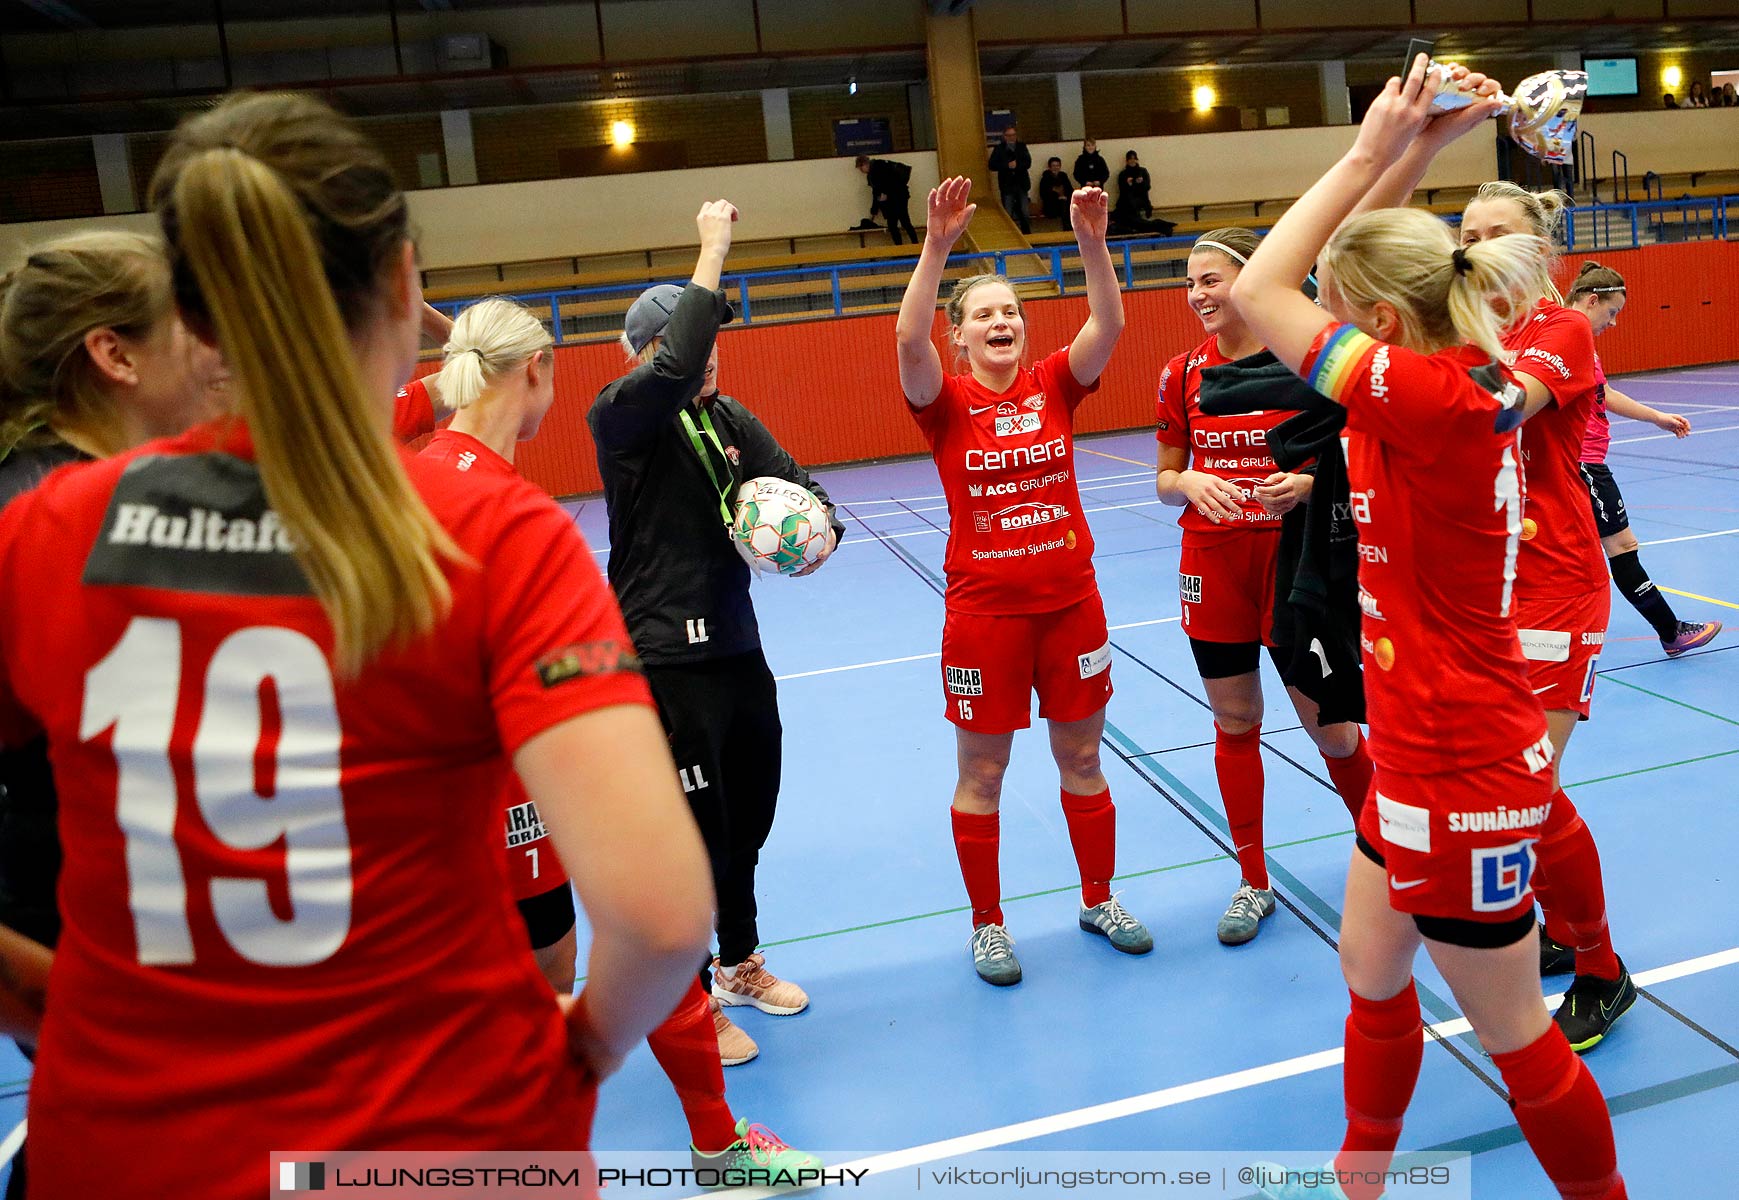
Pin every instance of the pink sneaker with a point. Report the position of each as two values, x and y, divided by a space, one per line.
752 983
1691 635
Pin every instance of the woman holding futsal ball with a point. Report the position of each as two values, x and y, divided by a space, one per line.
1411 345
1024 611
1563 602
1219 470
1599 294
499 377
300 659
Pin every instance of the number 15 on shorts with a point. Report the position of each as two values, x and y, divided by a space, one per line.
965 709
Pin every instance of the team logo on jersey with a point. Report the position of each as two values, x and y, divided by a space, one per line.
524 826
1035 403
1550 359
195 523
981 522
1369 606
964 681
1501 875
1164 424
1025 516
1545 645
466 459
1190 588
1095 661
1499 819
1016 457
1379 381
1193 363
1029 422
975 489
1006 409
584 660
735 455
1229 439
1405 825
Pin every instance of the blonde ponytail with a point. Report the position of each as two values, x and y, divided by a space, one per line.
284 225
1501 279
1443 295
489 339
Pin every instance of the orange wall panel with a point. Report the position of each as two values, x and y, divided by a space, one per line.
830 391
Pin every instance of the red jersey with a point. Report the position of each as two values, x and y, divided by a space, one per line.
413 412
1233 448
1555 345
285 919
532 865
1437 497
1017 539
1598 440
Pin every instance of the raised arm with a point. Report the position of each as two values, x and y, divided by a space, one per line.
1396 186
1636 410
1092 347
651 394
950 212
1266 291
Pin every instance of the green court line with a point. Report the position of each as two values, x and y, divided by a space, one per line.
1056 891
1627 1102
1633 687
1683 762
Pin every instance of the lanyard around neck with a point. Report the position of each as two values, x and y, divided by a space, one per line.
706 461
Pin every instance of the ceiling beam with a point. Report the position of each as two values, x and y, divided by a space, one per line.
65 14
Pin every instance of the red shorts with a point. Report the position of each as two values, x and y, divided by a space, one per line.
532 865
1561 639
992 665
1461 844
1226 586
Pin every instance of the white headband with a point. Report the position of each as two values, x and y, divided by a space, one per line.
1223 249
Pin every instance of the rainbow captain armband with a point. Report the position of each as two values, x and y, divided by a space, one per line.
1338 358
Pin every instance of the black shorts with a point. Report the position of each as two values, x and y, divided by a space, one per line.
1223 660
1474 935
549 916
1603 494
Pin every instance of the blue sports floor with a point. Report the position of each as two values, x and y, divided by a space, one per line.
1192 1047
862 903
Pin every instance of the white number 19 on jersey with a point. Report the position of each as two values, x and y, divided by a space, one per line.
135 692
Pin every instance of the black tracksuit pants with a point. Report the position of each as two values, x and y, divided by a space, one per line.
722 718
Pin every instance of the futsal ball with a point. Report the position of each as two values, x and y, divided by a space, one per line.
780 526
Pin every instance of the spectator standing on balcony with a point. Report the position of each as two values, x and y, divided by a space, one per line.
1134 211
1012 164
890 184
1054 192
1090 168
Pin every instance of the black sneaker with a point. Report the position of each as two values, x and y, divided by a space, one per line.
1592 1006
1555 957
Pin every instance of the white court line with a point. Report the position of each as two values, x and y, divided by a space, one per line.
1693 537
1680 380
1657 437
9 1147
1201 1089
888 662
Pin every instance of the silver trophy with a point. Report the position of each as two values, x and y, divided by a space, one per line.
1542 113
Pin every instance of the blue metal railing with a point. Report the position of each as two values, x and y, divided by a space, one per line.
876 285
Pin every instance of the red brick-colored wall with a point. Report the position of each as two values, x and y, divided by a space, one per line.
829 390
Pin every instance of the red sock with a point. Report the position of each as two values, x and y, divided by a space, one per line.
1385 1044
687 1047
1571 892
1093 833
978 841
1352 778
1564 1117
1238 764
